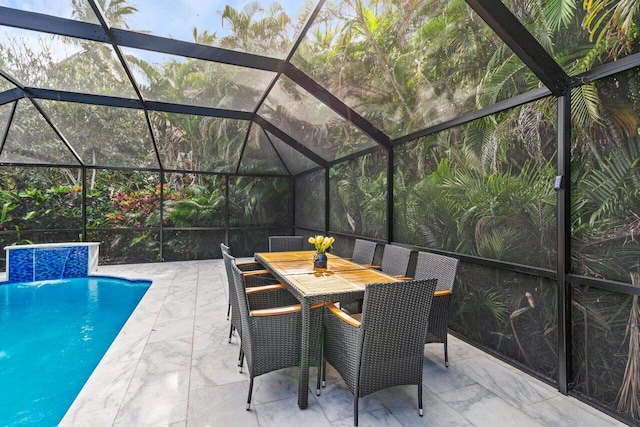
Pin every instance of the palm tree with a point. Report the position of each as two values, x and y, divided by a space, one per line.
256 30
116 12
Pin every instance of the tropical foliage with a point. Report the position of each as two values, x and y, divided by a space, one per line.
481 189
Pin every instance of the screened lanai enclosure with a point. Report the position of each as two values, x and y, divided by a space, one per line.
505 134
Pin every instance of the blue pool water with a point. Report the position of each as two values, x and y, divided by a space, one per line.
52 335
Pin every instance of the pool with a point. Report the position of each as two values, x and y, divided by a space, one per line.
53 333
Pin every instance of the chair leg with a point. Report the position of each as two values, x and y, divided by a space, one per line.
321 367
355 410
250 391
230 333
324 372
241 363
420 400
228 310
446 353
318 379
240 357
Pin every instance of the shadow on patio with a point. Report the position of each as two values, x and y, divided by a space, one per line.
171 365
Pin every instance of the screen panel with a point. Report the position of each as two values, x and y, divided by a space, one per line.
105 136
358 196
63 63
484 188
186 245
260 201
260 155
405 68
194 200
126 246
603 346
310 122
605 167
295 161
310 200
511 313
198 143
31 140
123 199
601 31
39 199
170 78
259 27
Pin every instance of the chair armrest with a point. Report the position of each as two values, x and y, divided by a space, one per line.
442 293
255 289
254 273
375 267
278 311
247 263
401 277
342 315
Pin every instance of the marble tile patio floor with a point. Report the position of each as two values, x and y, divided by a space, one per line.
171 365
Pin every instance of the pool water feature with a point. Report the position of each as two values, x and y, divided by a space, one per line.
48 261
52 335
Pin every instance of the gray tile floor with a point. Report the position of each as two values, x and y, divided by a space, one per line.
171 365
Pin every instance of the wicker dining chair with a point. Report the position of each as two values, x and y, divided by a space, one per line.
395 261
245 266
261 292
363 252
271 337
443 268
285 243
385 347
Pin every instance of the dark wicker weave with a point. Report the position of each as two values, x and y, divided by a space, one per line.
285 243
259 300
387 349
363 251
269 342
251 281
395 260
227 250
444 269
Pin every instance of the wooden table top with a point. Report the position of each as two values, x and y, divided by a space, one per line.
340 276
326 283
290 256
306 266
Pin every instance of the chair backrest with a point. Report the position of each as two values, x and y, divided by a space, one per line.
241 307
230 265
363 251
225 249
394 323
285 243
443 268
395 260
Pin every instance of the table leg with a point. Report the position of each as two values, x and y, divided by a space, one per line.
303 372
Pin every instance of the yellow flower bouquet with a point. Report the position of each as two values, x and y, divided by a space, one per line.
321 243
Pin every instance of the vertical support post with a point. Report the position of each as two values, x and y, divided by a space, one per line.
292 188
327 201
84 203
390 194
161 232
563 265
226 211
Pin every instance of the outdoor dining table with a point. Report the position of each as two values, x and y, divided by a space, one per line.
341 280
